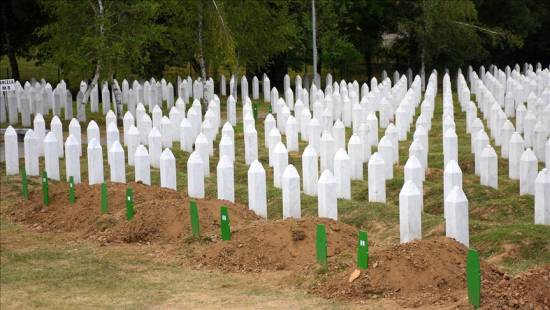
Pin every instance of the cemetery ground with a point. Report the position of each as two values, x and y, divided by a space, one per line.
64 255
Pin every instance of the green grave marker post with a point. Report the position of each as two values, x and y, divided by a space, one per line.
129 204
225 225
321 245
24 184
194 213
45 194
363 250
104 208
473 278
71 190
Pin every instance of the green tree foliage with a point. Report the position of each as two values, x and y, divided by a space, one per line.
83 37
19 19
527 21
144 37
447 33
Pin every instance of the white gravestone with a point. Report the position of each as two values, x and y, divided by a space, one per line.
195 175
117 164
257 197
527 172
489 167
327 202
202 146
355 151
11 151
385 150
542 197
225 177
456 220
342 174
75 131
51 156
291 134
72 159
155 147
310 170
291 193
57 128
452 176
92 132
168 170
280 161
39 126
142 165
95 162
376 179
410 213
186 136
31 153
250 145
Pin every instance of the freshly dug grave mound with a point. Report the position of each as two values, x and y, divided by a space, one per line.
277 245
529 290
431 272
160 214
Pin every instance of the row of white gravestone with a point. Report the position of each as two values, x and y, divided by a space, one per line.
41 98
522 160
32 99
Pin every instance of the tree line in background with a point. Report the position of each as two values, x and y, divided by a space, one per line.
102 39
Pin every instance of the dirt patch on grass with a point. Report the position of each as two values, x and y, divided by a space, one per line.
160 214
277 245
432 272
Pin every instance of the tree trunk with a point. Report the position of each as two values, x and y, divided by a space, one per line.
314 40
95 79
118 99
9 47
201 54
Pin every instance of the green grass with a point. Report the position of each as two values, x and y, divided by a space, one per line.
41 271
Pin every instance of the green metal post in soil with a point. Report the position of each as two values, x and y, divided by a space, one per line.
363 251
225 226
45 194
129 204
71 190
104 208
24 184
473 277
321 245
194 213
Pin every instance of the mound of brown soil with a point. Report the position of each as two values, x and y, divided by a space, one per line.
529 290
277 245
160 214
432 272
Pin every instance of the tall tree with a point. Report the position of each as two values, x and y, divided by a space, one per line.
447 33
19 20
99 37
